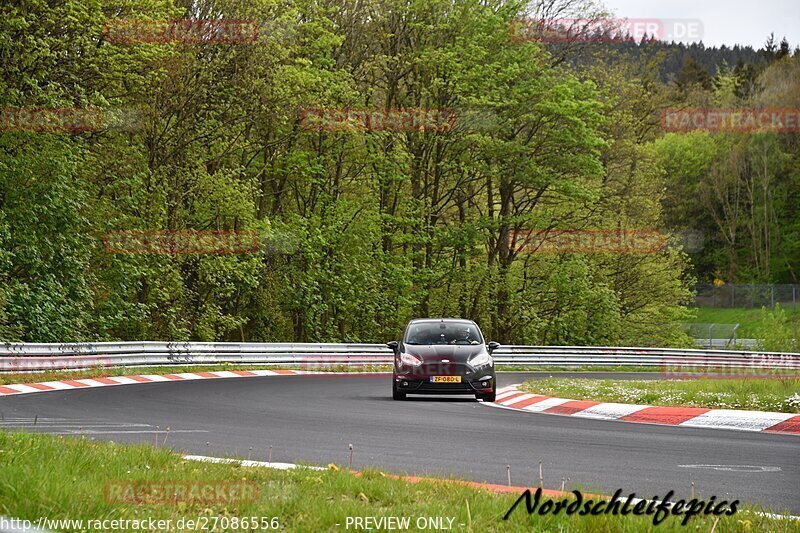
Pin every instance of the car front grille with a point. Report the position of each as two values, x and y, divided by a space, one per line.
439 387
445 369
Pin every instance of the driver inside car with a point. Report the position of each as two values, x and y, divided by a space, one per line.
461 337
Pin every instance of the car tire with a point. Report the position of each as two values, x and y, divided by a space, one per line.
397 395
488 397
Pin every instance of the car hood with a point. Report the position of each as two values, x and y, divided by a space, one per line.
455 353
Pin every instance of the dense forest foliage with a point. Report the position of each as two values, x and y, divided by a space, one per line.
681 63
363 230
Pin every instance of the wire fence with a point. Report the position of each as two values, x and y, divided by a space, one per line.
718 336
747 295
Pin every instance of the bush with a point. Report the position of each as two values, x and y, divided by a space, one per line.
778 334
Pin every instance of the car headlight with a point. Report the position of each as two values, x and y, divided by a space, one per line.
482 359
411 360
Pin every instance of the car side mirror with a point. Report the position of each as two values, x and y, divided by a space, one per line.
493 346
393 345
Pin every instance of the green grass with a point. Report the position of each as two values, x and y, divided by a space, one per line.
767 394
610 368
63 478
56 375
749 320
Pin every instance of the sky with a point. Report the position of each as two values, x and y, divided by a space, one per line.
726 22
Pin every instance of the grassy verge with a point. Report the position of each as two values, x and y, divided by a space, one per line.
611 368
750 320
56 375
778 394
65 479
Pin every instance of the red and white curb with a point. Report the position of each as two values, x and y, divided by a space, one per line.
67 384
513 398
509 398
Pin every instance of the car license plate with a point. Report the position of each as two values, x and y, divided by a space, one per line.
446 379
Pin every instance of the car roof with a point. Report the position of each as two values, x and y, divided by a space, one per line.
450 320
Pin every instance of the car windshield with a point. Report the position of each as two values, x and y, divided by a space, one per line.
443 333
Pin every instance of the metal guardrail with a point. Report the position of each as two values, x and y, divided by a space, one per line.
61 356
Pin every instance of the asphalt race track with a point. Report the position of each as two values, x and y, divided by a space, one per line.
313 419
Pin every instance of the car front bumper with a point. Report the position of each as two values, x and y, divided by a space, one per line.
478 383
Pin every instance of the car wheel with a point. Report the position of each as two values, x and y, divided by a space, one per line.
488 397
396 394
